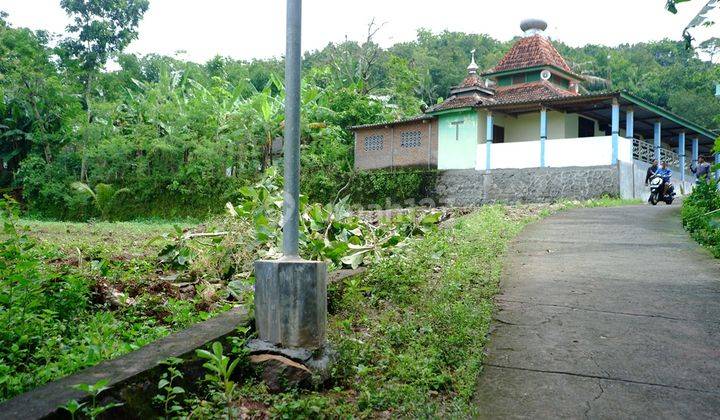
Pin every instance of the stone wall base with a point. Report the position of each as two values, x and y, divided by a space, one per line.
529 185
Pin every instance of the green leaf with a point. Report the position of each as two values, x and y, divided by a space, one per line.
248 192
354 260
431 219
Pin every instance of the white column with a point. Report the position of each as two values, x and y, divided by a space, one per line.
543 135
658 133
681 152
695 148
488 140
630 123
615 128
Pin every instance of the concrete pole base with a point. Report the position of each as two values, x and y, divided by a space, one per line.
291 320
291 303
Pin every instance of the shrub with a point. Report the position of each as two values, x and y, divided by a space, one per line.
701 215
406 187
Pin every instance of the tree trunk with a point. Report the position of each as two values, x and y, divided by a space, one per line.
86 133
40 122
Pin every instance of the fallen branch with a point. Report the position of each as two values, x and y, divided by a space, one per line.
204 235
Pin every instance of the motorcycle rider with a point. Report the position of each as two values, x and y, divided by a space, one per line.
665 173
651 171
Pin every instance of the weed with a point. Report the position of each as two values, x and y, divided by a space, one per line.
169 399
93 410
221 369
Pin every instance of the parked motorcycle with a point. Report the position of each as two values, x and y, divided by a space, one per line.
656 191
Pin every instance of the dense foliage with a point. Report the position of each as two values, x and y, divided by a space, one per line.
701 215
180 138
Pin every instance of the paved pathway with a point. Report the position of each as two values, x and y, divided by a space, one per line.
606 313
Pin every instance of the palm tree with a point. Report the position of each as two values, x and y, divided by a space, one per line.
104 196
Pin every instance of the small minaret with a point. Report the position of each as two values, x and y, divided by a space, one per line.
473 67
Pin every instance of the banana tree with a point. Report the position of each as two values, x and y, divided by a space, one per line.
105 196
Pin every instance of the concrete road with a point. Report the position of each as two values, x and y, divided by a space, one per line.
605 313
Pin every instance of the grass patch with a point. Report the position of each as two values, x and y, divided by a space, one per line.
600 202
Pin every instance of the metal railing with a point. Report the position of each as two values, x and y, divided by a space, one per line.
645 152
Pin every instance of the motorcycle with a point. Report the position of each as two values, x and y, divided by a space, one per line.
656 191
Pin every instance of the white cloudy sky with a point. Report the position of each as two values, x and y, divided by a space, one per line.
247 29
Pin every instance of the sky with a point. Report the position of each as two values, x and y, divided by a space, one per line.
246 29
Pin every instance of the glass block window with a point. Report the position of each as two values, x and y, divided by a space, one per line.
410 139
373 143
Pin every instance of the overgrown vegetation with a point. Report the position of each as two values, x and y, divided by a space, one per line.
176 139
61 312
409 333
701 215
68 302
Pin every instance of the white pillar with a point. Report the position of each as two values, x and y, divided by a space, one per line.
543 135
630 123
695 143
681 152
658 133
488 140
615 128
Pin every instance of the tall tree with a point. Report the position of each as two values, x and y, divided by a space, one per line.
702 18
102 29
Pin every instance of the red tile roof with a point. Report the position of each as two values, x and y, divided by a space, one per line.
472 80
466 101
530 91
523 92
531 51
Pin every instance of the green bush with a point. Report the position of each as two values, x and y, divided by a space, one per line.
405 187
701 215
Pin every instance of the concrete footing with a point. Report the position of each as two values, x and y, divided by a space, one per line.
291 303
291 318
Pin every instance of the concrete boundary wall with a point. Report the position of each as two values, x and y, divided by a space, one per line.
527 185
545 185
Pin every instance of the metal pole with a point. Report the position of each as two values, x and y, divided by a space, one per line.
291 147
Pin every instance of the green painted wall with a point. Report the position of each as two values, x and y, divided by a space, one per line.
532 77
505 81
457 147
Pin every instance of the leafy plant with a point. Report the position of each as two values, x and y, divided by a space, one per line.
72 406
221 369
93 410
176 253
172 393
105 197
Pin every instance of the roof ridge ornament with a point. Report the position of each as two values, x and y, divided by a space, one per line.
473 67
533 26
